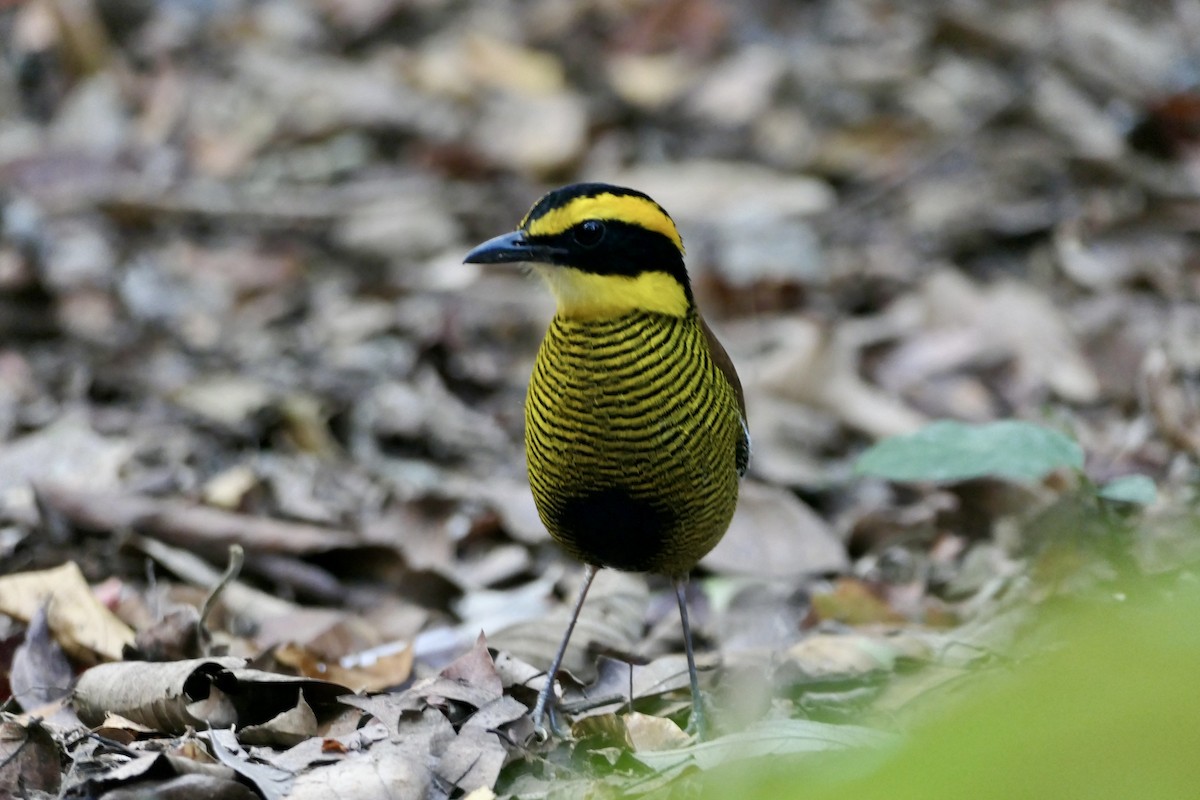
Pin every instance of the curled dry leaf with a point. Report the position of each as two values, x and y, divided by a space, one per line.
285 729
153 767
177 695
87 630
184 787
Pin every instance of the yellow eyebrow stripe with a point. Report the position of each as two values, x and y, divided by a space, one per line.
606 206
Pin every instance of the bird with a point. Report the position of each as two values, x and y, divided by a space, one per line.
635 419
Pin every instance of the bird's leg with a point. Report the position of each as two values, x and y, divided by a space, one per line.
696 724
539 710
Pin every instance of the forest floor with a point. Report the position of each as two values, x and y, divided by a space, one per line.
234 314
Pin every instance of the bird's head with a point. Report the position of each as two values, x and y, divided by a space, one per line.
604 251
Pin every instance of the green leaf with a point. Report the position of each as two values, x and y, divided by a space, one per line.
1137 489
949 451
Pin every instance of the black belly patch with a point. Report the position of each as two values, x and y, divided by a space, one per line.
612 528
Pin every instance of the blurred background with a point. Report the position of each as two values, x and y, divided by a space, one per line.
231 281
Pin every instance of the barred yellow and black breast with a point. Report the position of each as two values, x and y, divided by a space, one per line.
633 440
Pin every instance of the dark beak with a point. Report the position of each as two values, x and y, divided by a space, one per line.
510 248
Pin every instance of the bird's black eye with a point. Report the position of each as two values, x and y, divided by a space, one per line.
589 233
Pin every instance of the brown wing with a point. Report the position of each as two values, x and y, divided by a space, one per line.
725 364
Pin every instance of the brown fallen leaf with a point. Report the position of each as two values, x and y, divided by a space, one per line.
118 729
29 759
437 690
381 673
476 668
853 602
175 635
84 628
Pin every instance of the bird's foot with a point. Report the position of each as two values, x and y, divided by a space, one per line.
698 722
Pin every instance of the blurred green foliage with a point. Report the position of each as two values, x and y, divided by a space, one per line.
1103 705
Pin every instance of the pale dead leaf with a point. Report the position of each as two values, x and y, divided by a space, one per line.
285 729
387 771
67 452
388 708
775 534
482 793
1016 320
497 713
472 760
648 733
828 657
611 688
515 672
120 729
40 672
533 133
649 81
716 193
513 502
612 619
810 364
228 400
209 787
86 629
229 488
327 749
271 781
